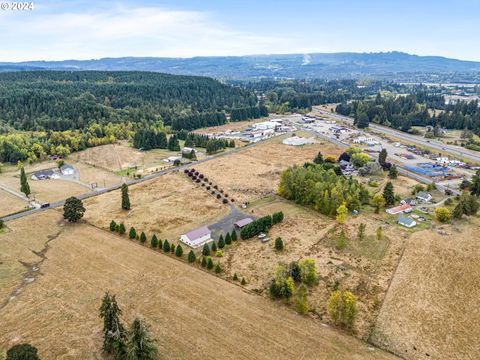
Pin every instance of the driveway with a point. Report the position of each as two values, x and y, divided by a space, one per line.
226 224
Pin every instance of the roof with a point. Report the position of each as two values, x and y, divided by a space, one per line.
243 222
43 173
405 220
66 167
399 208
423 195
198 233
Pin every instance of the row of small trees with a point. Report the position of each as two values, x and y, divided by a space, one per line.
260 225
201 179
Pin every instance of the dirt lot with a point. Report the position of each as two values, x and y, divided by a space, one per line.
189 311
10 203
364 267
167 206
432 305
90 175
253 173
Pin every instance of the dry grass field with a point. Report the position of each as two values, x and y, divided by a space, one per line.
364 267
432 305
89 175
255 172
10 203
192 314
168 206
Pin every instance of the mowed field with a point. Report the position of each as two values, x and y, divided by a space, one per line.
192 314
10 203
255 172
168 206
364 267
432 305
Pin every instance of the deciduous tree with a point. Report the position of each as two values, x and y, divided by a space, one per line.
73 209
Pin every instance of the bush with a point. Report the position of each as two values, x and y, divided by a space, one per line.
219 253
277 217
113 225
262 224
442 214
191 257
154 241
121 229
243 282
209 263
235 277
228 239
234 235
221 242
143 238
204 262
166 246
278 244
22 352
206 250
2 224
308 271
218 269
300 299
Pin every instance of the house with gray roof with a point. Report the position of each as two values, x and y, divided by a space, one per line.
406 221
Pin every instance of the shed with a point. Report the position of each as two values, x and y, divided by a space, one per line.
197 237
241 223
67 169
406 221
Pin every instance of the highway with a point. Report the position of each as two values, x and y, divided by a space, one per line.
432 144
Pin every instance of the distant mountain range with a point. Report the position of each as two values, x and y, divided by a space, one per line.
319 65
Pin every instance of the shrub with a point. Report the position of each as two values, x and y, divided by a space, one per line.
221 242
154 241
243 282
191 257
442 214
234 235
225 201
208 187
218 269
219 253
228 239
300 299
206 250
308 271
235 277
262 224
204 262
121 229
209 263
278 244
277 217
2 224
113 226
214 246
219 196
143 238
179 251
22 352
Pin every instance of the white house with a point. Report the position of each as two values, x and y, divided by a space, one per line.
44 175
197 237
424 196
67 169
187 150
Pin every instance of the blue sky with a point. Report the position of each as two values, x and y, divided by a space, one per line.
79 29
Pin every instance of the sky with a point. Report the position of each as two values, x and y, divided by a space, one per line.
79 29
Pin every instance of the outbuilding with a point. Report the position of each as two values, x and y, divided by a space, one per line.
424 196
197 237
398 209
406 221
67 169
242 223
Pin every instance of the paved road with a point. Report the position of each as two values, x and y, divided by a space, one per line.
130 182
433 144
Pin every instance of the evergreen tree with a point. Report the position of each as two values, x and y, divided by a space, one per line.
173 144
191 257
154 241
160 244
221 242
393 172
121 229
204 262
206 250
234 235
382 158
24 187
235 277
73 209
318 159
113 330
361 231
388 194
218 268
278 244
166 246
113 225
458 211
143 238
209 263
475 185
22 352
228 239
125 197
132 233
214 247
140 345
243 282
179 251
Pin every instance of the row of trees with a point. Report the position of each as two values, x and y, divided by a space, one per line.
260 225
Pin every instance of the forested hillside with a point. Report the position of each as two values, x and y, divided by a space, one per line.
54 113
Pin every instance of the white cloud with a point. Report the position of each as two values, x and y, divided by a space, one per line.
125 31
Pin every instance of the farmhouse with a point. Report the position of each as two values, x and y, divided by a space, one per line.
406 221
44 175
399 209
187 150
67 169
172 159
241 223
424 196
197 237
